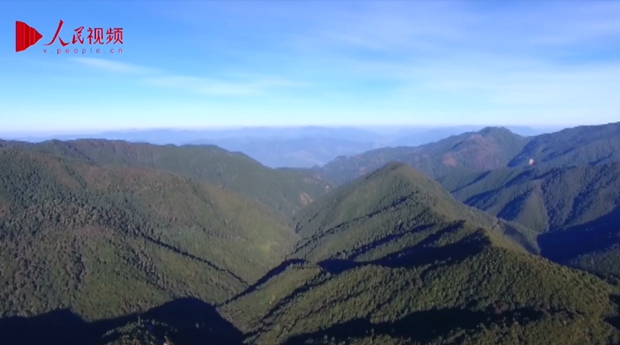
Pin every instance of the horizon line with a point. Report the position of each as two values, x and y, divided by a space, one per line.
327 126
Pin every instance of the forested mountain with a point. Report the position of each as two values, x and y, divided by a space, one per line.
284 190
105 241
563 185
109 242
488 149
390 259
583 145
353 219
575 209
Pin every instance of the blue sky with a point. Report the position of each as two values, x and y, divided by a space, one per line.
197 64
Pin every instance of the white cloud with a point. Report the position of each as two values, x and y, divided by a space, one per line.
246 84
113 66
215 87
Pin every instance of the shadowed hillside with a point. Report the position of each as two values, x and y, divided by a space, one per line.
576 209
184 321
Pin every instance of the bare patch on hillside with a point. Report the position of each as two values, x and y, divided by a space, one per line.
305 199
449 160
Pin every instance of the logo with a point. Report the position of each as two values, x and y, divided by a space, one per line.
26 36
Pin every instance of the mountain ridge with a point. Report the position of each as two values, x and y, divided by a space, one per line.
438 269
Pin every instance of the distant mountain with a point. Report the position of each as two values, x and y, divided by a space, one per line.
487 149
165 136
274 147
575 209
293 153
295 147
393 259
285 191
573 147
105 241
416 137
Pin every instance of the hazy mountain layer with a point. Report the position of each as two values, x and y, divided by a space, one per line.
487 149
298 147
584 145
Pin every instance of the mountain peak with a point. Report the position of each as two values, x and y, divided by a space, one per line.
404 176
496 131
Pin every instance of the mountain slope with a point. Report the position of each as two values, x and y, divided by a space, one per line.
415 203
425 272
484 150
283 191
575 209
488 149
583 145
106 241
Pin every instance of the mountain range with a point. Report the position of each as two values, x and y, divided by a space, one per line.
293 147
483 237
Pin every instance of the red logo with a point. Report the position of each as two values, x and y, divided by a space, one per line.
27 36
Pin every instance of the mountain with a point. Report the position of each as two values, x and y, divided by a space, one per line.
393 259
416 137
487 149
301 147
302 152
164 136
573 146
576 210
293 147
415 201
285 190
107 241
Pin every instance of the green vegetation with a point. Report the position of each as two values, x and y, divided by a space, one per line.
488 149
109 241
575 210
373 277
395 206
283 190
569 198
583 145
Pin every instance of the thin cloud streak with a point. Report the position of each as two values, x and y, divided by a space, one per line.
214 87
113 66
